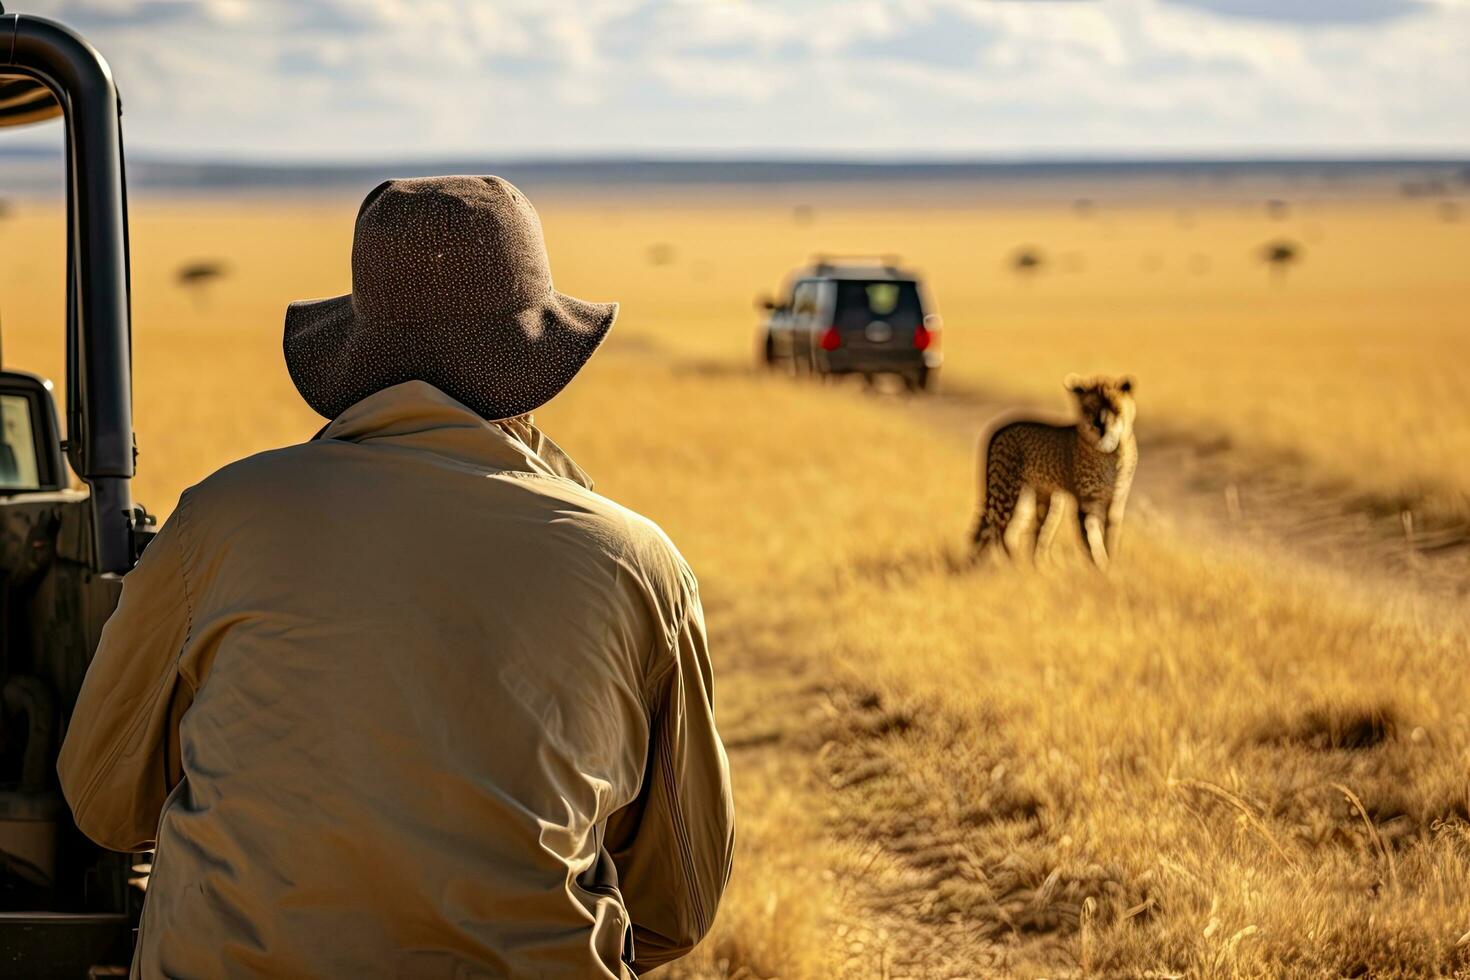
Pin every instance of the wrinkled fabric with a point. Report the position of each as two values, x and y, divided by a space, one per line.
407 700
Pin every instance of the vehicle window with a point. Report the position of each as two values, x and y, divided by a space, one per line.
882 298
18 469
858 303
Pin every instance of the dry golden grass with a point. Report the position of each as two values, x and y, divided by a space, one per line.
1208 764
1167 742
1355 358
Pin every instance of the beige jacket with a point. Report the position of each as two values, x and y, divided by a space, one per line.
409 700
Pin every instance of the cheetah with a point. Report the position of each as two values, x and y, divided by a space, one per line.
1029 464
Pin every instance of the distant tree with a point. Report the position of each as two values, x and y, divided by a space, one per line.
197 276
1027 260
660 253
1280 255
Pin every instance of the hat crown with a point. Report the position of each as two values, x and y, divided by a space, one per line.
450 286
419 242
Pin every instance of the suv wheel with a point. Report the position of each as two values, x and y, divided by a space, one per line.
920 380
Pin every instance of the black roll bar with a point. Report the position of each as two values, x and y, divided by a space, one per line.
99 401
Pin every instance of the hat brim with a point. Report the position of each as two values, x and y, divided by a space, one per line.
336 359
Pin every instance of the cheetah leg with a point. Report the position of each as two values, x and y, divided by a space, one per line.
1056 511
1042 515
1092 533
1113 529
1021 524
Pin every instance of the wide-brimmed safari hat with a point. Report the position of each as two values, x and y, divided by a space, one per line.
450 285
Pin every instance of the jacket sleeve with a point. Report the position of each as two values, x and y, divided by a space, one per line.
120 758
673 845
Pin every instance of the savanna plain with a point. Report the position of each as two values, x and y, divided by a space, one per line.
1245 752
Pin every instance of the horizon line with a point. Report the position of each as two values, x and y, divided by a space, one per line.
693 158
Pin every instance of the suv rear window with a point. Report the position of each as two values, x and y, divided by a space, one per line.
859 303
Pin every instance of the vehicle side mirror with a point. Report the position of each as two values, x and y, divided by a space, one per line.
30 438
765 302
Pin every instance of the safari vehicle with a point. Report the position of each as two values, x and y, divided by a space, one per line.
67 908
853 315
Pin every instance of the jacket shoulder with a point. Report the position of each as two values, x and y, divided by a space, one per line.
630 536
262 471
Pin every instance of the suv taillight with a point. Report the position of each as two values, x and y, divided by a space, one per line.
831 339
923 337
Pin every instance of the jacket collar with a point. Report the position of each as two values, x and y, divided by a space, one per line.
418 415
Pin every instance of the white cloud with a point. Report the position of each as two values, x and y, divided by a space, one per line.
363 78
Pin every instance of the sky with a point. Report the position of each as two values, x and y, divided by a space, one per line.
344 80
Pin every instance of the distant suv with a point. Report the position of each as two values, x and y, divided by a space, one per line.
853 317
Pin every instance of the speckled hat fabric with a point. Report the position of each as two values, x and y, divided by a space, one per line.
450 285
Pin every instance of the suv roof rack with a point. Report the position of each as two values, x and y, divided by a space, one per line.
827 262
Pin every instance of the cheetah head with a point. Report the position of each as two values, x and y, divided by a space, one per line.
1105 409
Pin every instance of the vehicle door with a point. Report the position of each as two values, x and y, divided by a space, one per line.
778 327
805 310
